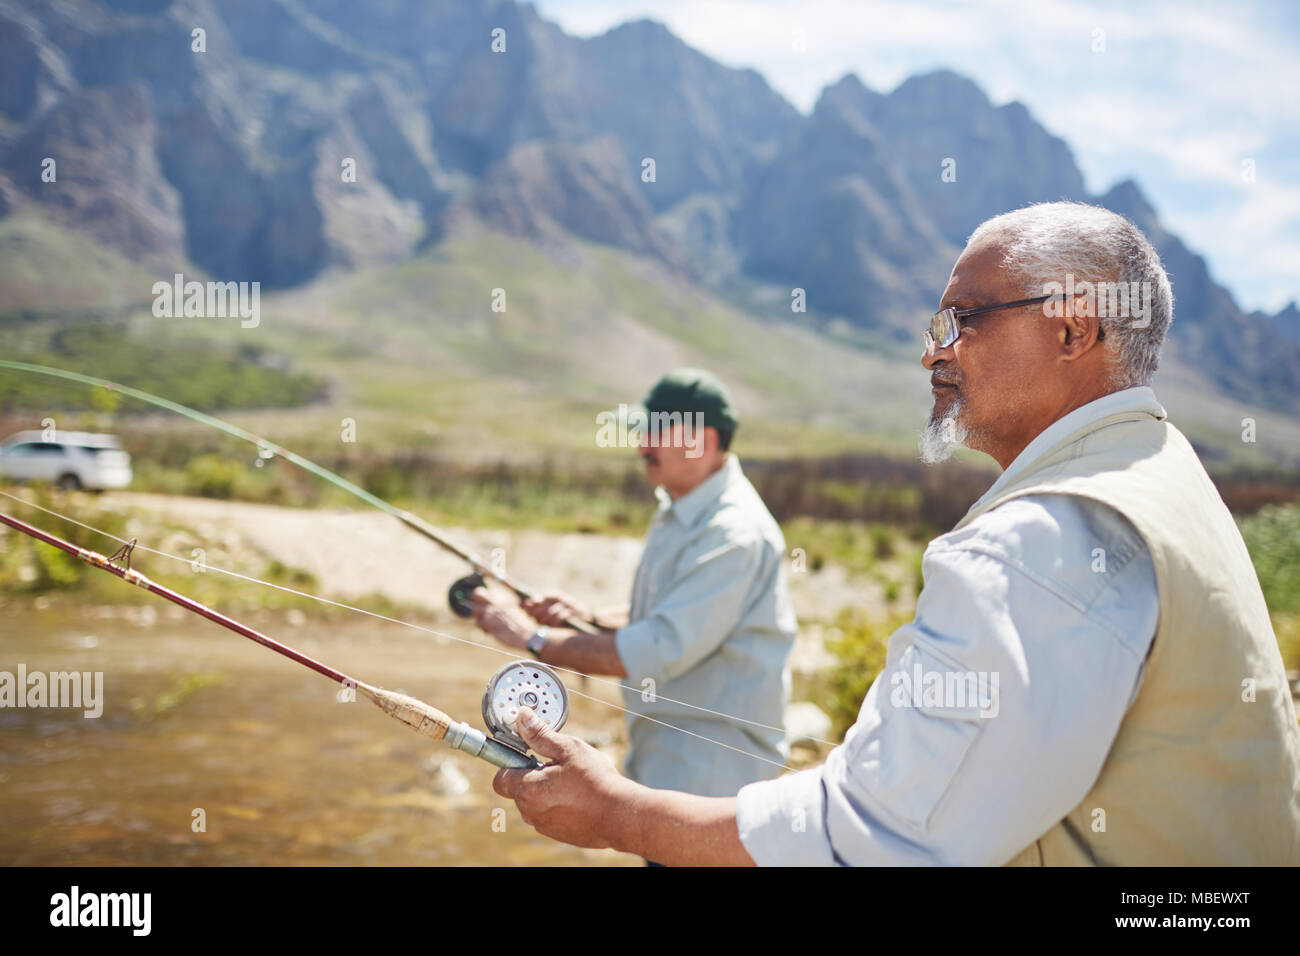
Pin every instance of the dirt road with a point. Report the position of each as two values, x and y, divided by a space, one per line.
355 554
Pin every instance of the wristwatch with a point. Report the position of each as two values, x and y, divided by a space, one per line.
538 641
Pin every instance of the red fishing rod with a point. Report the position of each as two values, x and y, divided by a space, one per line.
518 682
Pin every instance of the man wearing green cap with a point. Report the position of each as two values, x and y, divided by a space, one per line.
702 649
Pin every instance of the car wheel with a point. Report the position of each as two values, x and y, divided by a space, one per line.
69 482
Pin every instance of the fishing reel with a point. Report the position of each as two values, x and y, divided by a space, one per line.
528 684
459 594
518 684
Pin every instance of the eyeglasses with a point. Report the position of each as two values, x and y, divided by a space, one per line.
945 325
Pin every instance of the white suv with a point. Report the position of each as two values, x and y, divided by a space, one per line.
73 460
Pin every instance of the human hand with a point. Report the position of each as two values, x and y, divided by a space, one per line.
555 609
507 624
577 798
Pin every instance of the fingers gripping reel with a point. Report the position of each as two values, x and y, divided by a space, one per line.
523 684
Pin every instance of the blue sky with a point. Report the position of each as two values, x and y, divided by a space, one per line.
1181 95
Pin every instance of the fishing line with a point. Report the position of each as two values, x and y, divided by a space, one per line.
418 627
451 637
457 595
416 714
459 592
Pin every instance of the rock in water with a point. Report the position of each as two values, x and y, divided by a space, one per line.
446 778
807 724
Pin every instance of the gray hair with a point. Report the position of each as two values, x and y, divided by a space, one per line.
1057 243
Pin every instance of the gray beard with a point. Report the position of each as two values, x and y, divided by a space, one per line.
943 435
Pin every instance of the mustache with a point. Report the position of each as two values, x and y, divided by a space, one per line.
938 378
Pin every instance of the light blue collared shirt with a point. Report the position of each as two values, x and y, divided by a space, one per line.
711 625
1037 618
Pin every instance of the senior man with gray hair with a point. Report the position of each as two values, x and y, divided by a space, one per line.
1125 701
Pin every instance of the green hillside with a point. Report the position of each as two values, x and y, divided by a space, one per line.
47 269
416 356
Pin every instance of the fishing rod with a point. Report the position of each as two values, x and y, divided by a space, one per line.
519 683
458 595
499 697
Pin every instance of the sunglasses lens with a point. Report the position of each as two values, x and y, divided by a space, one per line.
943 328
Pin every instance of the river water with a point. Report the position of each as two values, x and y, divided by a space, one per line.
214 751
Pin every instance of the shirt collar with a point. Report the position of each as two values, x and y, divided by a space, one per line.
690 506
1138 399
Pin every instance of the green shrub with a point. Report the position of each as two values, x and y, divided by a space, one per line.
860 647
1287 628
33 567
213 476
882 541
1272 536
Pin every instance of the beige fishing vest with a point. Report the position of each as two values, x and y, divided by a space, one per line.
1199 774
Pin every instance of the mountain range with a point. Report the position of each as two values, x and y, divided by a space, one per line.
217 137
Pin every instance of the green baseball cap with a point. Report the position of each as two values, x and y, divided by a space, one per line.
691 391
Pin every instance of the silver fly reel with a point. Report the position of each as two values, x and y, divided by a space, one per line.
523 684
